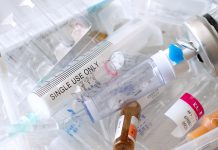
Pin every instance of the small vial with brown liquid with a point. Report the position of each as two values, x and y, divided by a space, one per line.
126 131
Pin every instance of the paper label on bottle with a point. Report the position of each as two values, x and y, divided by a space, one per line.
185 113
119 127
133 128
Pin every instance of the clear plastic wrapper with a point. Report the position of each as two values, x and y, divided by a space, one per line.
172 128
160 98
108 15
40 37
170 10
207 141
129 87
30 18
58 42
31 58
101 59
56 10
146 77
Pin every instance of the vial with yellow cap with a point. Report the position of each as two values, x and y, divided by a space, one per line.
209 122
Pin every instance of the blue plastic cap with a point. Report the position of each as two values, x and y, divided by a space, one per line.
98 6
175 54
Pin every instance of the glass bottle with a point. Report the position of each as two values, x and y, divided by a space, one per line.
127 127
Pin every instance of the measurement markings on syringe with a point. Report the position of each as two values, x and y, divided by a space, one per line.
64 75
50 85
75 67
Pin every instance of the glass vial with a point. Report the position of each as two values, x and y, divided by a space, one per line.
127 127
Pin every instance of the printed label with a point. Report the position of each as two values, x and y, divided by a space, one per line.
144 101
133 128
119 127
72 127
144 125
77 77
194 103
185 113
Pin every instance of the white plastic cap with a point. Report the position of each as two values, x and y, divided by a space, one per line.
39 106
164 66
